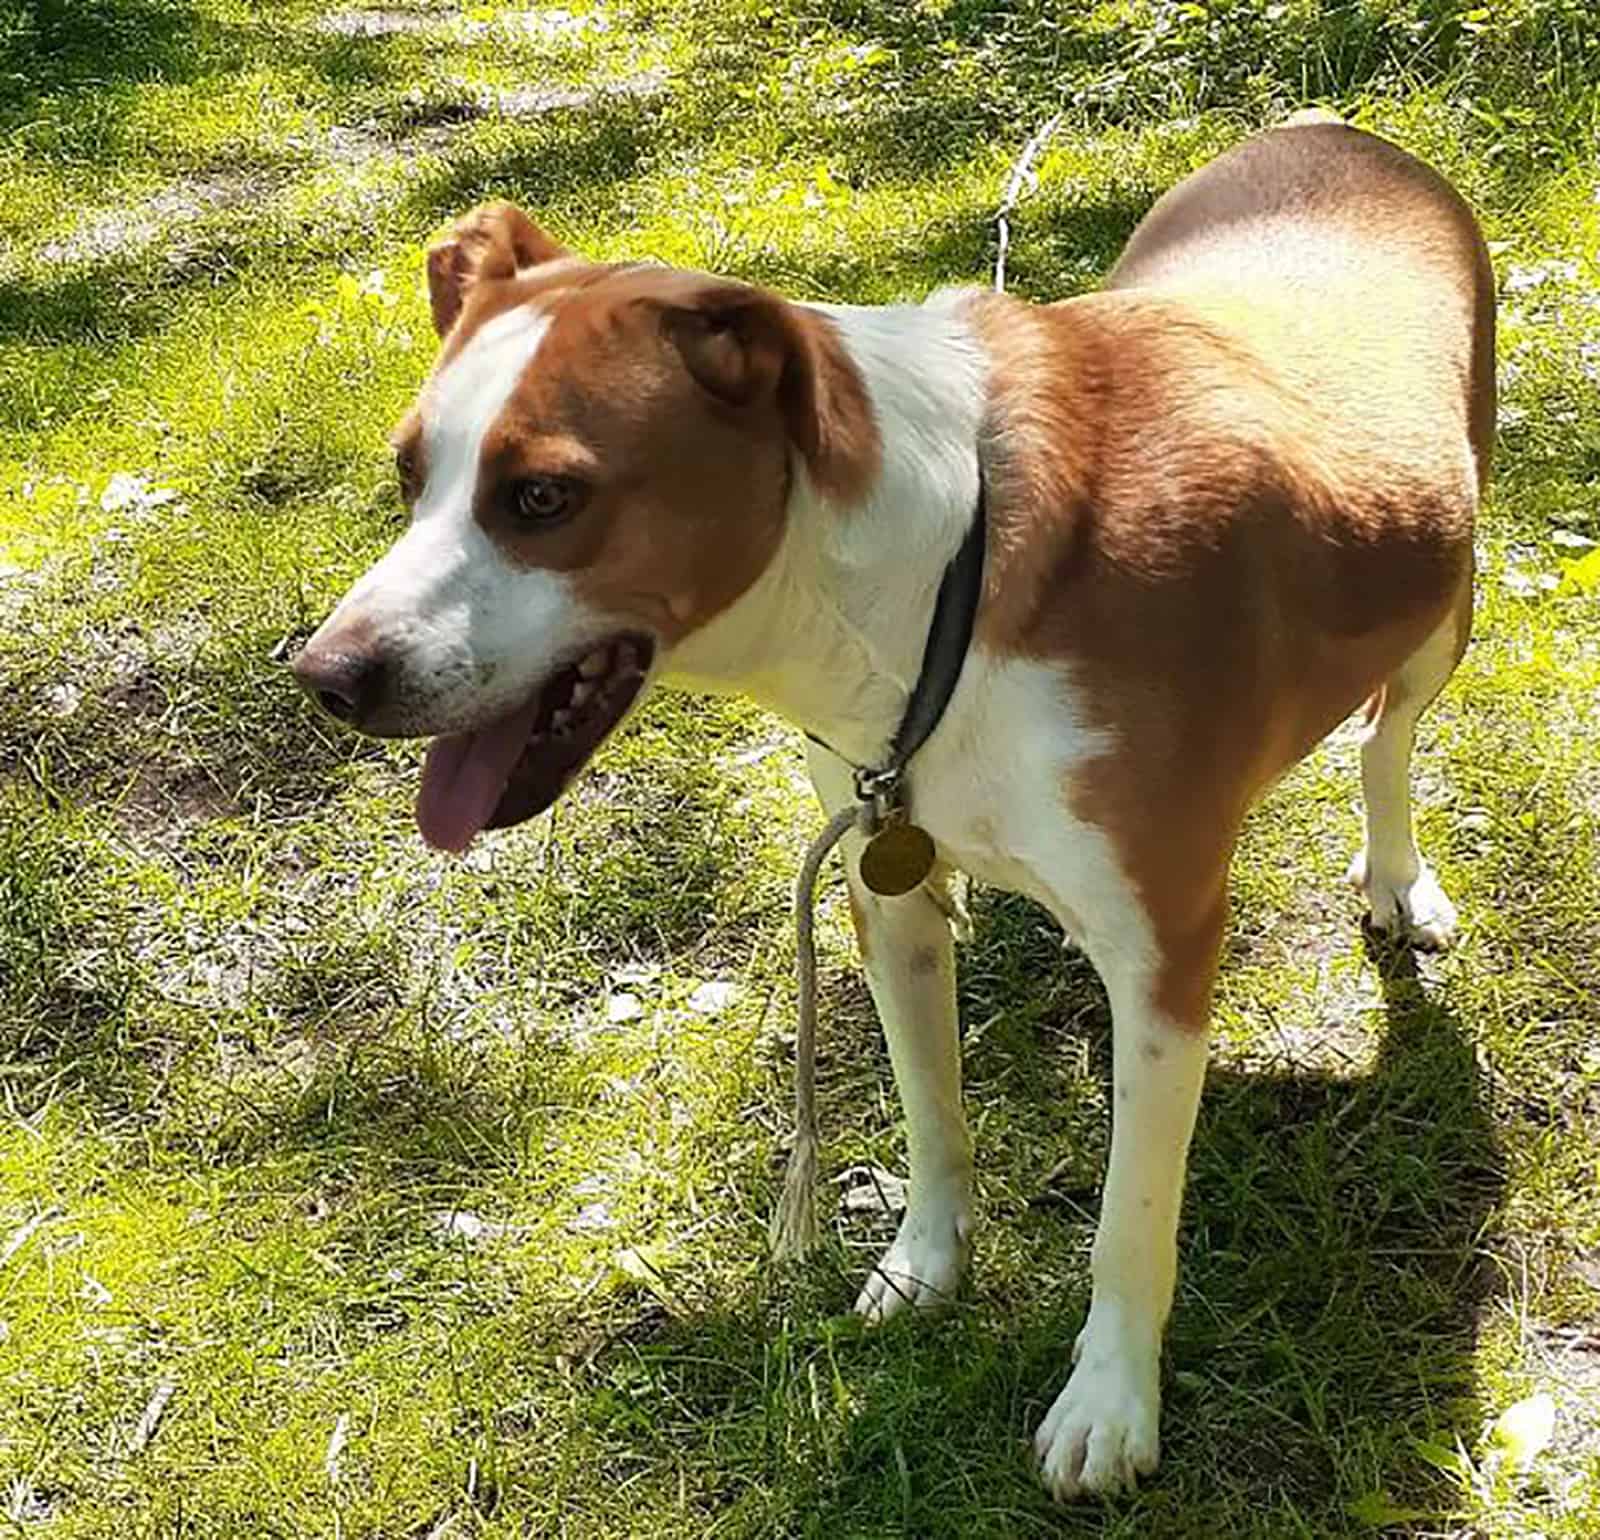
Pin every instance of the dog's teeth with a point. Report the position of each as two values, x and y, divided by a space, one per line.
581 691
593 666
560 722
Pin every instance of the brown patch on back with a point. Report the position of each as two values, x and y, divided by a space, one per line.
1235 508
1340 253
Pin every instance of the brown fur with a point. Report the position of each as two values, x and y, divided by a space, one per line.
488 245
1235 504
1233 493
701 386
410 456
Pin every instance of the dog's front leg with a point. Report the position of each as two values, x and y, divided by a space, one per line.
909 957
1102 1430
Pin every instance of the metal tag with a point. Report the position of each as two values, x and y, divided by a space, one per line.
897 859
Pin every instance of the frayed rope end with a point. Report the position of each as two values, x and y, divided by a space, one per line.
794 1231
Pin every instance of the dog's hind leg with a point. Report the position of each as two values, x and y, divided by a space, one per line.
1403 896
909 956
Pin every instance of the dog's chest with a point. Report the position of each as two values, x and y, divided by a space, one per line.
993 785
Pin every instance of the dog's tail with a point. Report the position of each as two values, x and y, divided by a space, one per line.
1307 116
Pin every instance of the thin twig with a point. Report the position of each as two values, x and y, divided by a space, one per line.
336 1442
1014 189
150 1419
24 1233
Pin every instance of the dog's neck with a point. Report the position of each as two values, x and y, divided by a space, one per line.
831 635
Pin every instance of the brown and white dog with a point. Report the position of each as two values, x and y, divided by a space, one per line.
1229 499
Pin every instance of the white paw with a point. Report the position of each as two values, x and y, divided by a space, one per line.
1416 911
923 1267
1103 1432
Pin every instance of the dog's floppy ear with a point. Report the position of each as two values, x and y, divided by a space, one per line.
747 347
494 241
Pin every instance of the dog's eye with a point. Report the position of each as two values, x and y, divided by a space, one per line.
541 501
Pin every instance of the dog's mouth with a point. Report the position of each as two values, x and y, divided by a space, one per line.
512 769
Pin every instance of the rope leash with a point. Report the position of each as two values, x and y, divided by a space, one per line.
1016 185
794 1230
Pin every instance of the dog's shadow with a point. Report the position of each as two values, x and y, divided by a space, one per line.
1322 1344
1335 1273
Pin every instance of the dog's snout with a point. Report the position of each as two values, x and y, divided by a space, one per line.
348 682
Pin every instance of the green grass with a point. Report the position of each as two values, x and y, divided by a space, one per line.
436 1191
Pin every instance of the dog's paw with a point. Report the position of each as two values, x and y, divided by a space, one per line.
1103 1432
1416 912
923 1267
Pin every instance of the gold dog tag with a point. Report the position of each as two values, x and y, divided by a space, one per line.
897 859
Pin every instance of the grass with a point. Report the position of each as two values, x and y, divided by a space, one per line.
435 1191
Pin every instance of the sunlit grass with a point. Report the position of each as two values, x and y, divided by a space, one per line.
436 1191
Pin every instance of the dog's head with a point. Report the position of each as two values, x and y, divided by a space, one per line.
599 463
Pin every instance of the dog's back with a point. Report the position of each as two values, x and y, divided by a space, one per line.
1355 267
1235 490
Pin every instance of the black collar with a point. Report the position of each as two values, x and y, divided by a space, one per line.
949 637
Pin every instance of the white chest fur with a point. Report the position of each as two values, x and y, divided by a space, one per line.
992 786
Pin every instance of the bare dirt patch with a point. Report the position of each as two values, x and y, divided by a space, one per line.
425 124
118 232
386 23
163 803
552 24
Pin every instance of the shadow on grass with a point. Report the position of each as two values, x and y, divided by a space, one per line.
1335 1271
100 815
96 53
924 123
1332 1280
564 156
123 296
1199 58
57 45
1332 1285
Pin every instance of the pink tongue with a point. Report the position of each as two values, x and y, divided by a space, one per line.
465 775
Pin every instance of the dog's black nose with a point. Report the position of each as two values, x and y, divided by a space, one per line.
347 682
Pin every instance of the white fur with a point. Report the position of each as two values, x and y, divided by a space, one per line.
464 400
1403 896
469 634
991 786
910 965
1102 1431
831 634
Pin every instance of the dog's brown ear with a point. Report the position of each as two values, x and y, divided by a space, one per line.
747 347
494 241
